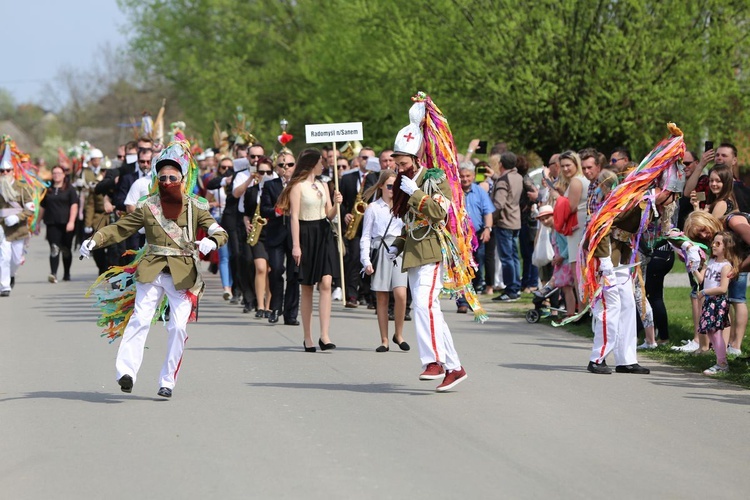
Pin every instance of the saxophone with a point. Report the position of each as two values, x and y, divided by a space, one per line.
256 227
358 211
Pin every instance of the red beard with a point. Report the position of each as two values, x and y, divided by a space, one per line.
401 199
171 200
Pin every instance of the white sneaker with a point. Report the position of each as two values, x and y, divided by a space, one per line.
715 370
646 345
733 351
690 346
337 295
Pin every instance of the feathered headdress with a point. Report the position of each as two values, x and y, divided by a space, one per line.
633 190
178 152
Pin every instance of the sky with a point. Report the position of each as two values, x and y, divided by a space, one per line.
38 37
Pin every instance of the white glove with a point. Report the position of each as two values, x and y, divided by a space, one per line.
86 247
88 230
206 245
30 206
11 220
607 269
225 181
79 183
408 185
693 258
392 253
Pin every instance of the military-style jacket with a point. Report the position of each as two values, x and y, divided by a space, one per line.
419 241
94 211
21 208
180 263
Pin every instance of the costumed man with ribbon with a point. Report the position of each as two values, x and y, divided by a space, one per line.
20 194
166 265
438 238
607 256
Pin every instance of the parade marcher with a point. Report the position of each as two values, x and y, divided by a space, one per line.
59 209
607 253
19 208
379 230
257 250
167 265
437 236
310 209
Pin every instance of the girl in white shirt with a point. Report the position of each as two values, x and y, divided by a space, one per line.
379 230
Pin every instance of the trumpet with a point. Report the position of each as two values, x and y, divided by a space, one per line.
358 211
258 223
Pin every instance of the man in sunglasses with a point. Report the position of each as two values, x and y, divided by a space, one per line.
171 218
278 241
619 159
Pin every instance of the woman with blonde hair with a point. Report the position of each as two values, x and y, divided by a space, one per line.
379 231
306 200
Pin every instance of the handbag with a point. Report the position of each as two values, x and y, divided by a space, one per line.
374 258
543 250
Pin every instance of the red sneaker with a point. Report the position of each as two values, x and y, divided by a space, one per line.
452 379
434 371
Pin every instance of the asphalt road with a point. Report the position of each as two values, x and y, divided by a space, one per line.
254 417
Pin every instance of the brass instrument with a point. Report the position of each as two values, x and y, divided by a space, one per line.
358 211
256 227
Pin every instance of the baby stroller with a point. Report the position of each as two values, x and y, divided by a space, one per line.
540 311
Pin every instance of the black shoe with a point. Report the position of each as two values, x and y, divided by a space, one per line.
403 345
308 349
273 317
391 316
634 368
371 307
601 369
407 317
126 383
246 309
259 313
5 293
234 300
266 314
66 277
12 282
164 392
291 322
326 347
382 348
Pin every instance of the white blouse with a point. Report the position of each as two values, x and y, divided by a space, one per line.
377 217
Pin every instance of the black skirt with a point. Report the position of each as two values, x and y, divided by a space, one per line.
320 256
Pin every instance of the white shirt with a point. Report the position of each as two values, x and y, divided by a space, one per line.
239 179
138 190
377 217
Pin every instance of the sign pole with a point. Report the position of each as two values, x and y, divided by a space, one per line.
340 236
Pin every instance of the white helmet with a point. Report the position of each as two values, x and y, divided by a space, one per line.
96 153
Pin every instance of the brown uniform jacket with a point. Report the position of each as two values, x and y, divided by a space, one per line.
21 230
184 270
417 251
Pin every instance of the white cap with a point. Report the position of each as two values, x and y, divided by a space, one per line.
200 157
6 163
209 153
408 141
96 153
373 164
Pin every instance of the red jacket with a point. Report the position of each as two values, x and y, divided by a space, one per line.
565 219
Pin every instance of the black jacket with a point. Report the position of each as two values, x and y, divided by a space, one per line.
278 230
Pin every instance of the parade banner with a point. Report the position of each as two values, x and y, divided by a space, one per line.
333 132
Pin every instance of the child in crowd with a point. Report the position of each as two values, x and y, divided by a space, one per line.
562 274
715 276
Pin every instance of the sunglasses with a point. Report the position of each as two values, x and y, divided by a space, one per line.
170 178
120 157
254 156
265 172
5 170
614 160
224 167
144 162
285 165
389 187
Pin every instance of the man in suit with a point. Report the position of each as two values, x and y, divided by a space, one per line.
278 240
171 219
353 183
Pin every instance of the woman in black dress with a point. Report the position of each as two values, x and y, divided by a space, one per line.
58 211
314 250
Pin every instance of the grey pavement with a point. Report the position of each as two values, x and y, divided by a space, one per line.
254 417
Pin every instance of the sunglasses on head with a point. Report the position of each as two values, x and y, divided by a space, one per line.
285 165
170 178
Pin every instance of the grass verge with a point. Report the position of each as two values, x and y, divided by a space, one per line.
677 301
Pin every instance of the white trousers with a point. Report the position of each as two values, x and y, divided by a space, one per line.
147 299
615 322
433 335
11 258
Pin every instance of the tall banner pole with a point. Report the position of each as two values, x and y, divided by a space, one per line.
340 235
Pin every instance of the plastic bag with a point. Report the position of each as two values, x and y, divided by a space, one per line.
543 250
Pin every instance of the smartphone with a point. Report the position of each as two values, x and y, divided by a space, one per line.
700 196
482 170
709 145
481 148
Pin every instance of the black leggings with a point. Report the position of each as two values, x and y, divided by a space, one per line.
60 242
659 266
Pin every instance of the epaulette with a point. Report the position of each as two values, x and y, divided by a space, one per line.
198 201
434 174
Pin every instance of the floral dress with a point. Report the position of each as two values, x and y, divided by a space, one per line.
715 312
